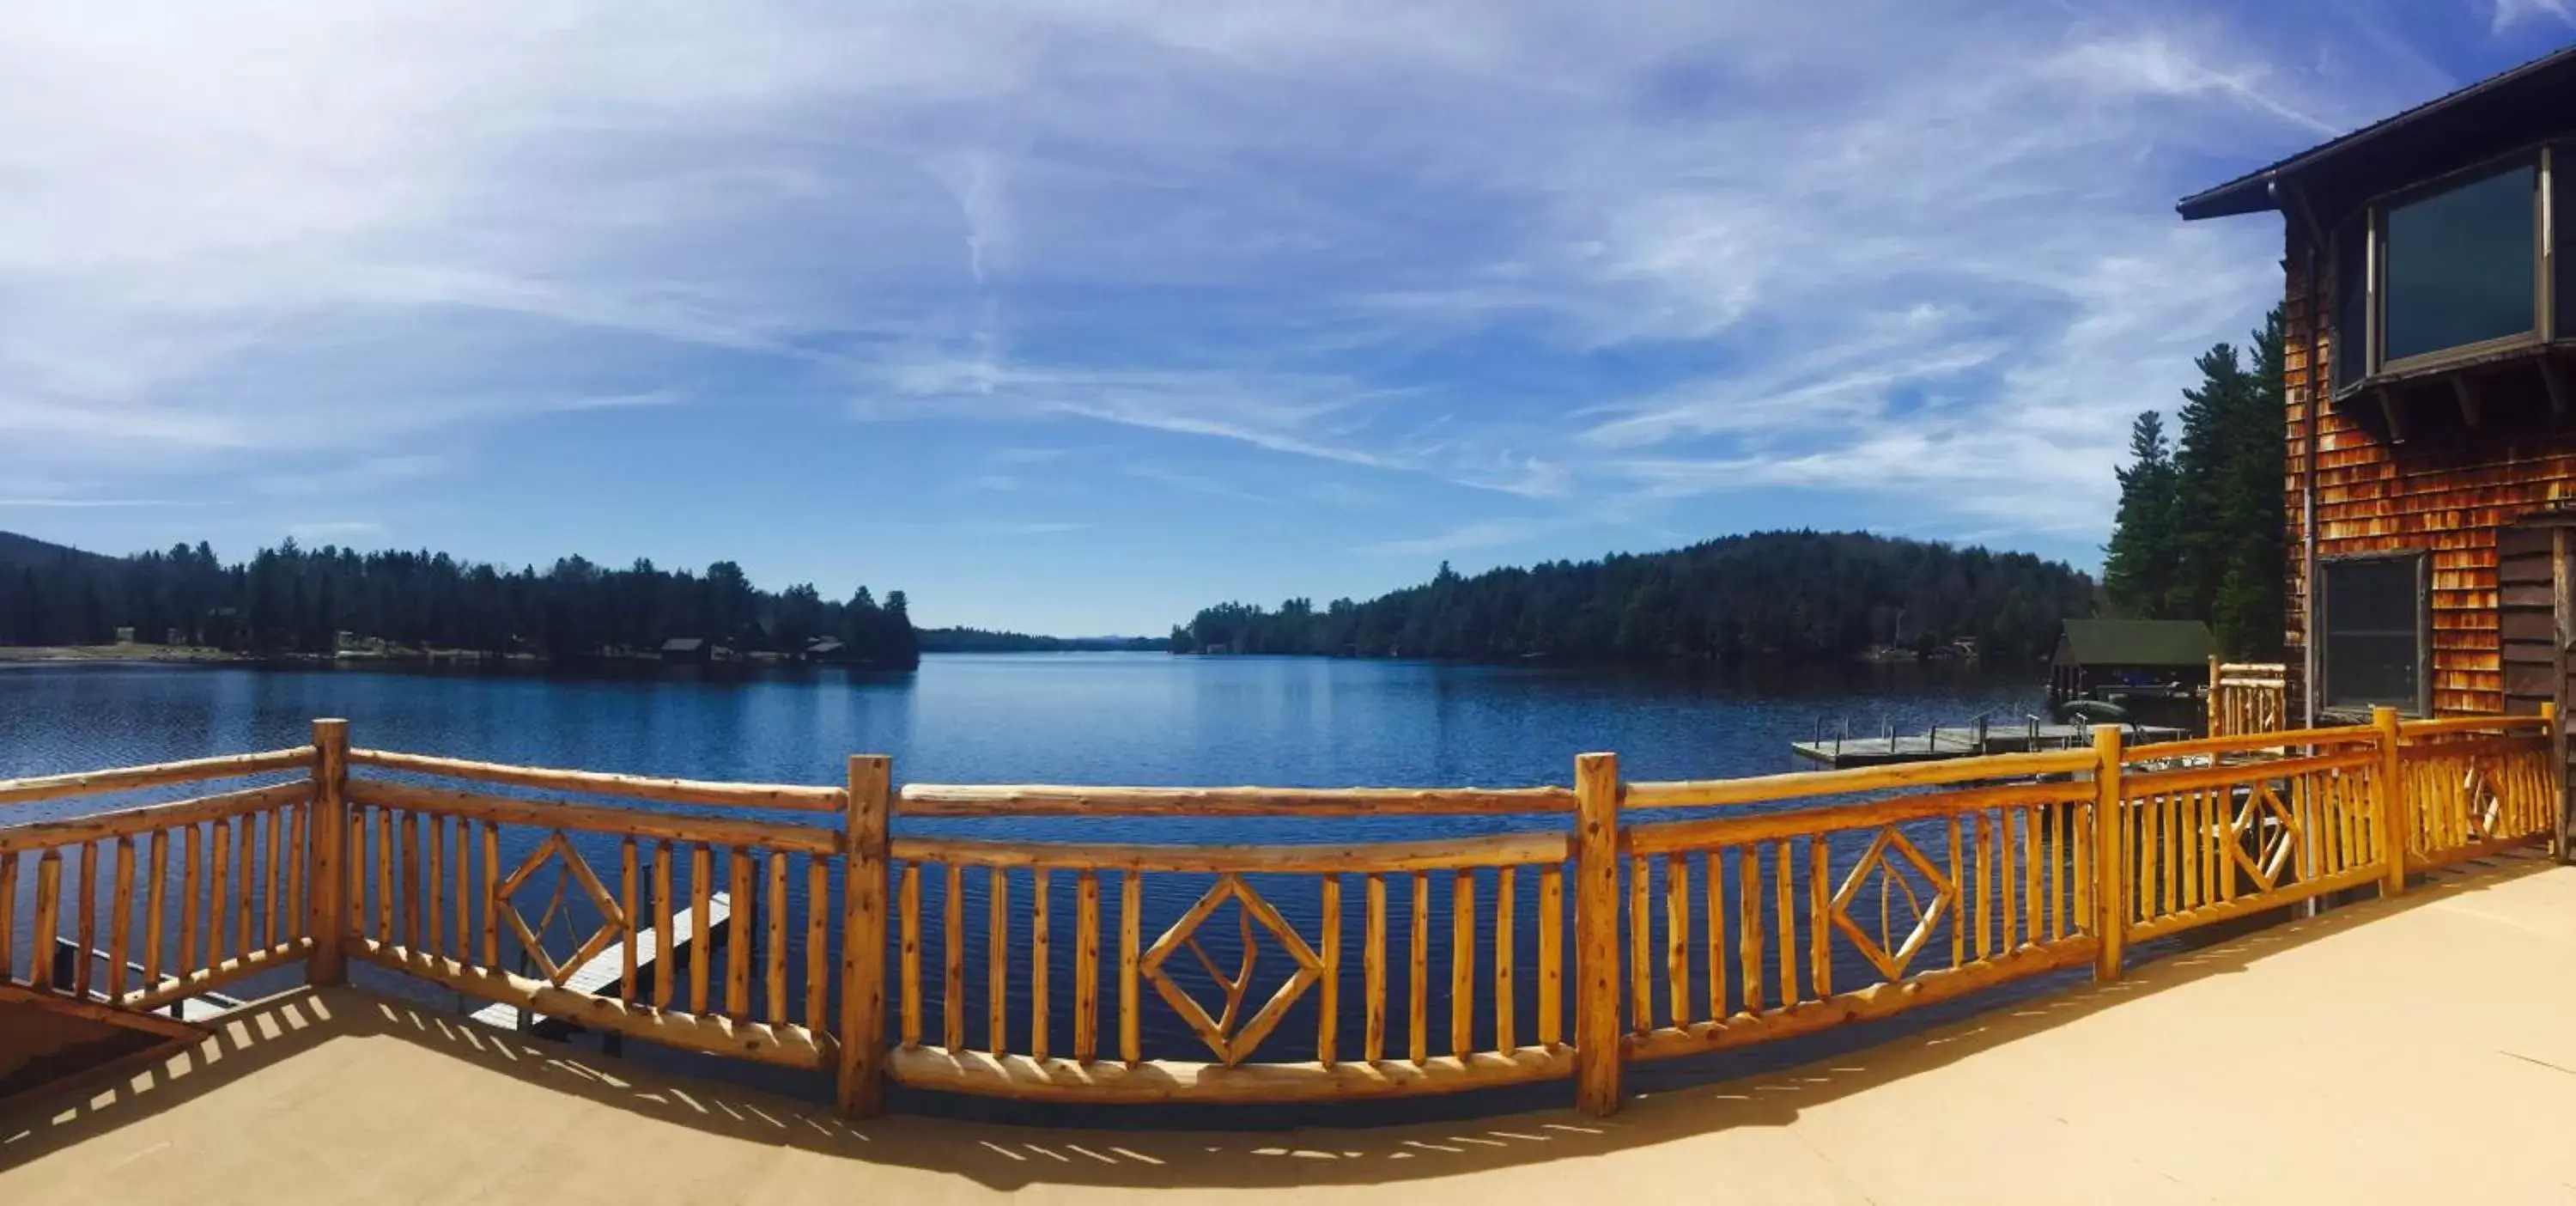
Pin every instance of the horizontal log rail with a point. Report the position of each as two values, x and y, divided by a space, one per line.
198 770
1766 789
1116 972
632 787
950 800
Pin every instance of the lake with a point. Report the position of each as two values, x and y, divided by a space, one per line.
1072 718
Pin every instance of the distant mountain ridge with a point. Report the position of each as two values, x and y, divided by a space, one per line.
1766 596
19 552
978 640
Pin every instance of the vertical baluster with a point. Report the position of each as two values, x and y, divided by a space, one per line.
742 886
1786 899
1462 963
2170 820
85 926
1417 1005
247 828
120 927
1748 940
952 997
1677 938
1131 942
49 889
1979 905
911 906
997 931
2034 854
2009 911
434 853
353 871
1506 903
1328 998
2056 870
190 851
774 983
2231 836
1714 890
464 947
702 874
1373 968
1820 943
1641 949
1086 967
299 827
219 898
276 824
1958 882
1041 955
385 931
409 907
629 889
155 891
1551 955
666 953
818 939
2081 817
491 861
9 917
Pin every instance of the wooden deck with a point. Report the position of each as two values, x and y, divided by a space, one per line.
1940 743
2174 1085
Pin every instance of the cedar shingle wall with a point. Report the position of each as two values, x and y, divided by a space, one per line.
2447 490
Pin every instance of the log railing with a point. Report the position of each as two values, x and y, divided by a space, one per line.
1414 966
1553 932
494 897
147 905
2248 697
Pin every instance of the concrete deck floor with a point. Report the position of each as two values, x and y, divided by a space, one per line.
2383 1052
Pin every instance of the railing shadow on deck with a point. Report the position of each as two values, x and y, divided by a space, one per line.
268 1033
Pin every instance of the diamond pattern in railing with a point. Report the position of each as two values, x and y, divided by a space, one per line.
613 920
1229 1034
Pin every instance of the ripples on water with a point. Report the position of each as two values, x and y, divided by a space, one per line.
1082 718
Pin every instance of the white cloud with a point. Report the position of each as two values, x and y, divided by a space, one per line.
1883 247
2509 13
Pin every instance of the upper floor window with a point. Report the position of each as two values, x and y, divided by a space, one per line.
2462 266
2455 268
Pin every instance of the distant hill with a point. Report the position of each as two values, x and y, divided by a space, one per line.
18 552
977 640
1766 596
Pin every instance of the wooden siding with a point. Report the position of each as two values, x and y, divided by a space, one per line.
2449 489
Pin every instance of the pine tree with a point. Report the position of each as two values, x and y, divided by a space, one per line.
2138 564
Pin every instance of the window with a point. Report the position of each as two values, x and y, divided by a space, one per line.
2374 628
2462 266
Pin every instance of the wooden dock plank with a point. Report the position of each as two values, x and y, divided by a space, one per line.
605 972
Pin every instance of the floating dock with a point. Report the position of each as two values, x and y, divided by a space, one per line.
1967 742
605 972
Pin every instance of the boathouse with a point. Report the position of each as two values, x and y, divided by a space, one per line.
2149 658
2431 461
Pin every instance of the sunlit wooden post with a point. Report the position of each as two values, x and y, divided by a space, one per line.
2214 728
2557 768
326 840
863 937
1596 933
2392 810
2110 857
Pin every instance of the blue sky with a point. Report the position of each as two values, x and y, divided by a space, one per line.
1072 318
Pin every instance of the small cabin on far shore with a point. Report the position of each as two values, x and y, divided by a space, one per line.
687 650
2151 658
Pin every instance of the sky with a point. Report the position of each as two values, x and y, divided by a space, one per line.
1075 318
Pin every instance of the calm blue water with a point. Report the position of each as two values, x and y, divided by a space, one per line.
1085 718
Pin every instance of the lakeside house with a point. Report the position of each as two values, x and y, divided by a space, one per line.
688 651
2431 463
2137 658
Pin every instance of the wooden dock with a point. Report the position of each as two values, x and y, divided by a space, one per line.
1967 742
605 972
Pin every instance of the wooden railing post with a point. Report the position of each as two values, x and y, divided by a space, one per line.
2110 855
326 880
2214 728
863 936
1596 933
2392 811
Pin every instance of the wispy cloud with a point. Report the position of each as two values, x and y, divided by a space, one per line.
2509 13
